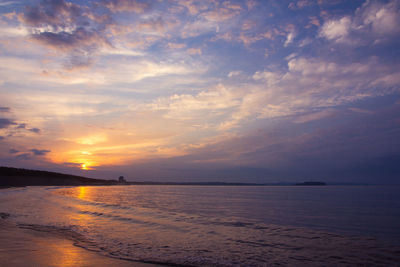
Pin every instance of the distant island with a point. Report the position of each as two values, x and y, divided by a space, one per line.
311 183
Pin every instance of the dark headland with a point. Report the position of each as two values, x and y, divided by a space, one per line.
10 177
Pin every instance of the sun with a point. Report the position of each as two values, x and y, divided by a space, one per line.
85 167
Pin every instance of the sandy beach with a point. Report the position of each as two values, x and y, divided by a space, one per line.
27 247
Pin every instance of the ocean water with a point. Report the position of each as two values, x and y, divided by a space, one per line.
219 225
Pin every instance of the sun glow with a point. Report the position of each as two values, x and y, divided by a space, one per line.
92 139
85 167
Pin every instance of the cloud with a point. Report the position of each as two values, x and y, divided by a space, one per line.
194 51
56 14
198 27
248 38
300 4
24 156
4 109
234 73
251 4
224 12
12 32
313 21
24 126
336 30
176 45
80 38
194 7
67 27
34 130
7 3
155 26
289 38
117 6
374 22
360 110
5 123
268 77
13 151
311 83
382 19
315 116
187 107
21 126
39 152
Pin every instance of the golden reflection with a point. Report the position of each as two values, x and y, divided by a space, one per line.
67 255
83 218
82 192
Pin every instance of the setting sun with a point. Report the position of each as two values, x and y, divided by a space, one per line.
84 167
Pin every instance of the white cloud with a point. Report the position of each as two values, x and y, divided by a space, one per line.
205 103
315 116
194 51
13 31
268 77
383 18
198 27
7 3
336 30
309 84
116 50
289 38
234 73
373 21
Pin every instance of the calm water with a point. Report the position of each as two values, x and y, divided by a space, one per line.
219 225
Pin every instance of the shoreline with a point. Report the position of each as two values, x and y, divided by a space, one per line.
24 246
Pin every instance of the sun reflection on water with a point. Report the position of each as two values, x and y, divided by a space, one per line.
82 192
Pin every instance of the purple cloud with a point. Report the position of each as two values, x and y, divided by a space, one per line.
34 130
39 152
54 13
13 151
24 156
21 126
4 109
4 123
24 126
67 27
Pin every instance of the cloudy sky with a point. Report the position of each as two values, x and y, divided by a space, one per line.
171 90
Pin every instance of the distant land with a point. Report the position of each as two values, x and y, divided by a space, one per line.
10 177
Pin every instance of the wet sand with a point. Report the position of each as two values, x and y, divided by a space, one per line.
26 247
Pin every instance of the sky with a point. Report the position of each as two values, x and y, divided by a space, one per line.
171 90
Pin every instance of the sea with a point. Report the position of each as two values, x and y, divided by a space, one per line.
184 225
